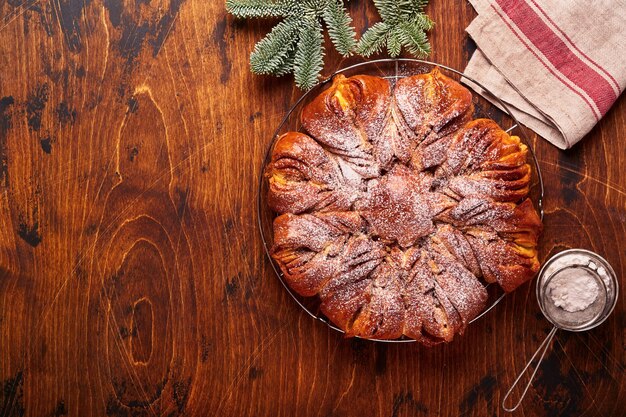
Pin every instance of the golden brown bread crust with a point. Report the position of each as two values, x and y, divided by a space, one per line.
398 204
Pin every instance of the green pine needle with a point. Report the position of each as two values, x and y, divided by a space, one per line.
405 25
309 58
424 22
340 31
272 52
373 40
414 38
296 44
394 43
246 9
389 10
287 66
419 4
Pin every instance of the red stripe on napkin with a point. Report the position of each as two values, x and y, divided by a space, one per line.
594 110
573 45
558 53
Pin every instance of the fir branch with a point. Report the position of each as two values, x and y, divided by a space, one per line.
287 66
340 31
406 25
389 10
395 11
414 38
296 44
424 22
272 52
394 43
419 4
373 40
245 9
289 47
309 58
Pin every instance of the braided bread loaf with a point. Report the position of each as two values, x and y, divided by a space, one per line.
397 207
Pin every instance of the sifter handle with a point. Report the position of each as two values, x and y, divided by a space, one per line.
543 348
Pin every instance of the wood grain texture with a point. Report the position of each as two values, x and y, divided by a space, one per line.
132 276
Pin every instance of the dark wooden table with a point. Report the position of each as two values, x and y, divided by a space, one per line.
132 276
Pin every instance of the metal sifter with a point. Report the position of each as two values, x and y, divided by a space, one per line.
571 267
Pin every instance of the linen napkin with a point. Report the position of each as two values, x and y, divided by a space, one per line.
558 65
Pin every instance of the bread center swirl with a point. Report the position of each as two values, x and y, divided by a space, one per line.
399 206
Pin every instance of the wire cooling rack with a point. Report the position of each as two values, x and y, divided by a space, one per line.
392 69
